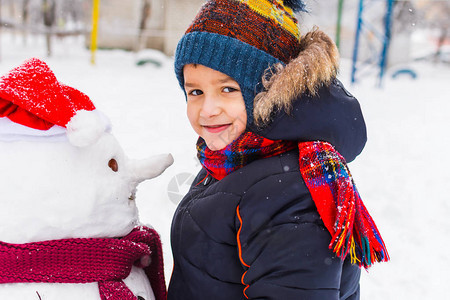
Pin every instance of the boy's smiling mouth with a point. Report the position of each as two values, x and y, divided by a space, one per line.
216 128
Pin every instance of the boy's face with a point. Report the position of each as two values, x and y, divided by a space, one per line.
215 106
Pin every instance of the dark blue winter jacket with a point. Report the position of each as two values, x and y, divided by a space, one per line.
256 234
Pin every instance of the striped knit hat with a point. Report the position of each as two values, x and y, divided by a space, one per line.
241 38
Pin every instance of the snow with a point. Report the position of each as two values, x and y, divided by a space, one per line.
402 174
69 191
85 128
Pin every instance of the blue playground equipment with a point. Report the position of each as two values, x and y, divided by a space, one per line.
378 37
408 72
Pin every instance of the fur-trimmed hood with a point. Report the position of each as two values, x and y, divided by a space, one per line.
303 101
316 66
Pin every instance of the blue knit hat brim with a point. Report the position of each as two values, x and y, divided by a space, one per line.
241 61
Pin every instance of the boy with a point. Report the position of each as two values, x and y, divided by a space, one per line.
274 213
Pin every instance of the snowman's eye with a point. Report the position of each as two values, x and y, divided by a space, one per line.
113 165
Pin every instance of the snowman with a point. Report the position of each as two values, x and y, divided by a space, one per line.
69 226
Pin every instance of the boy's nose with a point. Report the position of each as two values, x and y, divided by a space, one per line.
210 107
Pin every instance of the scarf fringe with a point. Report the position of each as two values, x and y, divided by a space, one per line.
331 185
364 250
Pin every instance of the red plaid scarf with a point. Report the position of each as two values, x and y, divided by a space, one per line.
329 181
106 261
247 148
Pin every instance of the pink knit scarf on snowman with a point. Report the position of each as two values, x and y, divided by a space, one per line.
81 260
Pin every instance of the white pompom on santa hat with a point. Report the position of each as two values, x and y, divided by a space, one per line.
31 96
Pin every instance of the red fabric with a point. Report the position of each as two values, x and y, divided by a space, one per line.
339 204
21 116
245 149
329 181
106 261
31 95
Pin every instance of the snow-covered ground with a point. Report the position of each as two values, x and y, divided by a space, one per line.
402 174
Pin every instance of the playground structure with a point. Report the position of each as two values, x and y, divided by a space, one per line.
382 22
130 25
380 43
158 24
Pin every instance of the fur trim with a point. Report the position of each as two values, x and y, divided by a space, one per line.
315 66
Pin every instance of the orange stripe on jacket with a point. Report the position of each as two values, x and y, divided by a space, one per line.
240 251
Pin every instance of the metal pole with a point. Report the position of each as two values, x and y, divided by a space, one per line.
338 25
355 48
95 16
387 39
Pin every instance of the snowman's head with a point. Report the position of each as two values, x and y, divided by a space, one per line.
64 181
53 189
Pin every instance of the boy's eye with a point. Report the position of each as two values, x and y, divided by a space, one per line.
229 90
195 92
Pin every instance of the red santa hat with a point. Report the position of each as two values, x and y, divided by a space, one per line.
31 96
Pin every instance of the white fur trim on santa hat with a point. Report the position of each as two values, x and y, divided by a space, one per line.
86 127
11 132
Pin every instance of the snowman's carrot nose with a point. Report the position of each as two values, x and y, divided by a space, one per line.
149 168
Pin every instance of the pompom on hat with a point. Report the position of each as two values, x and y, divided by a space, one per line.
34 104
242 39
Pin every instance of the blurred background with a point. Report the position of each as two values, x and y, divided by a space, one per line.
395 60
413 29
